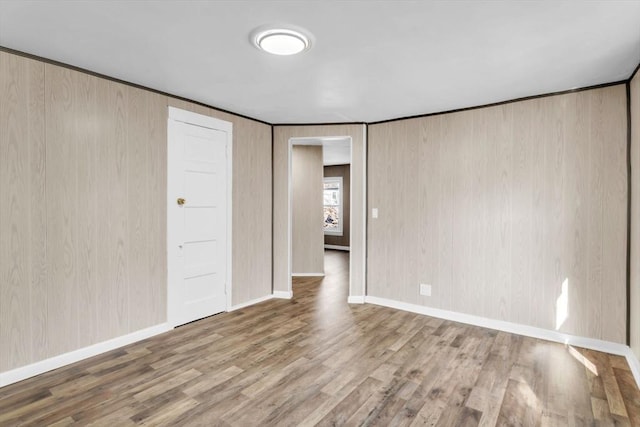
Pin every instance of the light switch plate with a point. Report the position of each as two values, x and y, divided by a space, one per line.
425 290
374 213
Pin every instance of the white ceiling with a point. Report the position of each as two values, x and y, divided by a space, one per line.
371 60
336 150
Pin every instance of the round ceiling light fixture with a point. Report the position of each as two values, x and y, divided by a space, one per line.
281 41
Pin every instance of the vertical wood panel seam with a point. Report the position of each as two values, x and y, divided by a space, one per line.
629 184
74 96
46 207
30 233
273 213
365 202
125 166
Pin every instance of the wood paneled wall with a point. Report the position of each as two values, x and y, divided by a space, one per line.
83 210
344 172
634 332
84 243
282 134
23 213
307 251
497 207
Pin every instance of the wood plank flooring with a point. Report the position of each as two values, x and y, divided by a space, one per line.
315 360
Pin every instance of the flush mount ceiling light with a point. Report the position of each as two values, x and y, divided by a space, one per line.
280 41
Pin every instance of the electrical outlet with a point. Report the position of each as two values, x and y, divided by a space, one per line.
425 290
374 213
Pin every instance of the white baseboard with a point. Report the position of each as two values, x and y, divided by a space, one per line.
516 328
24 372
355 300
283 294
252 302
634 364
307 274
337 247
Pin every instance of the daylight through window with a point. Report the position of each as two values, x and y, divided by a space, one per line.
333 206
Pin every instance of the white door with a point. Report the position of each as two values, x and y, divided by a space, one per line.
198 219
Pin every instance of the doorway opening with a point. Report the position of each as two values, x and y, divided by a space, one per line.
319 203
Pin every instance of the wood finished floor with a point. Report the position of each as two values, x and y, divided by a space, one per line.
315 360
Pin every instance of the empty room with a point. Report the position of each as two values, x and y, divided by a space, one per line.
300 213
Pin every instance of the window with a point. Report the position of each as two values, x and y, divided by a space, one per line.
332 196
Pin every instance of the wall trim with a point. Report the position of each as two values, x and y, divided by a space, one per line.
320 124
338 247
250 303
356 299
633 74
283 294
307 274
222 110
507 101
37 368
124 82
634 365
517 328
629 196
273 211
365 206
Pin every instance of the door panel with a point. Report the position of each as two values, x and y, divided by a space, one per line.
203 188
198 228
198 224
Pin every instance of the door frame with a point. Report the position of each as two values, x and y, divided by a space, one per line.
317 141
188 117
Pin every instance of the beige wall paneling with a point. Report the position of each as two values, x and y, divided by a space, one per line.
282 134
460 149
512 200
396 230
551 263
138 198
113 227
614 131
307 238
596 282
82 118
281 279
62 210
429 139
252 203
378 199
157 220
344 172
22 212
576 204
110 126
83 222
635 215
139 236
252 210
83 217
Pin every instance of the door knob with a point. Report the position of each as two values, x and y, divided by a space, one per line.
181 201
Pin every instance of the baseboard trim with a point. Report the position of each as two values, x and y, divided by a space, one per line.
517 328
307 274
338 247
355 300
283 294
28 371
634 364
250 303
